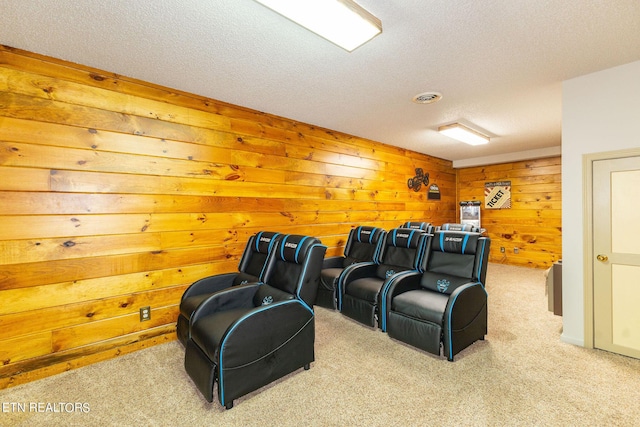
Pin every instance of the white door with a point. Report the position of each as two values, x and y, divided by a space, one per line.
616 255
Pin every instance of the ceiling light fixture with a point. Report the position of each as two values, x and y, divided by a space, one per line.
427 97
463 133
343 22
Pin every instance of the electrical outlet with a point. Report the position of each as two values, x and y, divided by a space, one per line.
501 249
145 313
516 250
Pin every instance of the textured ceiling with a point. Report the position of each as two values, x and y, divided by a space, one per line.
498 63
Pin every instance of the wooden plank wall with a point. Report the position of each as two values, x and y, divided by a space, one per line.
534 222
117 194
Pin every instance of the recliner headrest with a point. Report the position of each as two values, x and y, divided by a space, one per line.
416 225
264 241
457 242
404 237
366 234
458 227
294 248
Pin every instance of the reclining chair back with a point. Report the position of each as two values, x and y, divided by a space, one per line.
294 271
402 251
426 226
461 255
254 258
363 245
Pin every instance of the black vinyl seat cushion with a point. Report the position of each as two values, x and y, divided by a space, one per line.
366 289
421 305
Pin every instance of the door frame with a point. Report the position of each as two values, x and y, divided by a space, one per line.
587 222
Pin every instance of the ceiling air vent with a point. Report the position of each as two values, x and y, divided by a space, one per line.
427 97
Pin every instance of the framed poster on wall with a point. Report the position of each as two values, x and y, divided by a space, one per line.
497 195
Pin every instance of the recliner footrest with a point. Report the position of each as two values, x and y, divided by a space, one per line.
423 335
359 310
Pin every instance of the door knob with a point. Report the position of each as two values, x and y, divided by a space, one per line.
602 258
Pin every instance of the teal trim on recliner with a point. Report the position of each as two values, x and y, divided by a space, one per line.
304 270
450 308
339 284
481 263
271 244
257 240
395 231
464 242
300 246
422 250
378 251
383 296
374 230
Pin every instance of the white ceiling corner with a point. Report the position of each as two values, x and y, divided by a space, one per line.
499 64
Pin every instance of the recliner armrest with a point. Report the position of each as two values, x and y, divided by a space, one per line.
358 271
353 272
209 285
333 262
250 333
467 306
228 299
405 282
464 305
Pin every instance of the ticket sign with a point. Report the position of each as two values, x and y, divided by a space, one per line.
497 195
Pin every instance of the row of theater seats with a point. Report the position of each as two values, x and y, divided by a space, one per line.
364 245
245 329
423 288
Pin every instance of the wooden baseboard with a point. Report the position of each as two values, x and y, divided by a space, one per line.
42 367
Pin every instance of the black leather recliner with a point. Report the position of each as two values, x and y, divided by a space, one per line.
247 336
458 227
426 226
363 245
446 306
250 269
359 286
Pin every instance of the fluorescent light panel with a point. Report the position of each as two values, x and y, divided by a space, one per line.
464 134
343 22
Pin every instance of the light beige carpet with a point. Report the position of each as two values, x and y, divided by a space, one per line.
521 375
